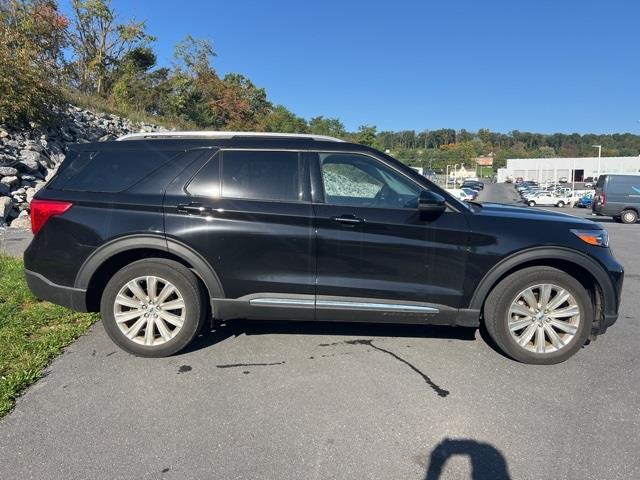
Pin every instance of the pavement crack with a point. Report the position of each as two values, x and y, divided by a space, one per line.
441 392
234 365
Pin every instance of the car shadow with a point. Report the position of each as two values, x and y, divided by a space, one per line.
487 462
209 337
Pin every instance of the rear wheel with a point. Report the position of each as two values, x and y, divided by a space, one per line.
153 307
629 216
539 315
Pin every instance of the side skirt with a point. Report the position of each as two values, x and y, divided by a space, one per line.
277 306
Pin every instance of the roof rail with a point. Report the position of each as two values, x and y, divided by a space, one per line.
223 135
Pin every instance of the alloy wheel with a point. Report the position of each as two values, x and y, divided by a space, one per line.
149 310
543 318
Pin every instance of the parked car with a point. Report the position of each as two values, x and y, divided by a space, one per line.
546 199
519 180
585 201
618 196
563 180
474 184
470 192
162 232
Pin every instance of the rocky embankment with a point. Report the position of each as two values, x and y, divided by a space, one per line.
30 157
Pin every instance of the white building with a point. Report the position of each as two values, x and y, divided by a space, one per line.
552 169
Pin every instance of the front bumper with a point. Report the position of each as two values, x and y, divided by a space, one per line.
44 289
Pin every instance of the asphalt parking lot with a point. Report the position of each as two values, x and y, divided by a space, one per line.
256 400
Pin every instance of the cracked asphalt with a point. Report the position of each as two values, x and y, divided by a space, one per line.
258 400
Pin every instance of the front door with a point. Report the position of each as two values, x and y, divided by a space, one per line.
376 253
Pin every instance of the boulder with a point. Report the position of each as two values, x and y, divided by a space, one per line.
22 222
30 160
9 181
8 171
6 205
4 189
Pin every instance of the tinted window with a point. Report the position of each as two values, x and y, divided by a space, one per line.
110 171
351 179
206 183
261 175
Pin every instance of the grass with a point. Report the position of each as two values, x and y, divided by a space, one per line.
31 332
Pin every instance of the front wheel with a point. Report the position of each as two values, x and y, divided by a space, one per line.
539 315
152 307
532 203
560 204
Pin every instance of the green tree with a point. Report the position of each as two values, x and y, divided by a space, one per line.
366 135
332 127
31 48
99 43
281 119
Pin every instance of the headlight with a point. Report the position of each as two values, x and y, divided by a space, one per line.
599 238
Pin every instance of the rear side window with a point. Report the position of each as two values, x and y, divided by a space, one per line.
108 171
272 175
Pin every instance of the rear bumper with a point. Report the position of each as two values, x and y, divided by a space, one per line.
44 289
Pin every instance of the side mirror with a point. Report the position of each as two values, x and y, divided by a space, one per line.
431 202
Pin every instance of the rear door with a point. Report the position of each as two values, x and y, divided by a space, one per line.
376 255
248 213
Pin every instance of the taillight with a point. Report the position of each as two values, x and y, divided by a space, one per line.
43 210
603 198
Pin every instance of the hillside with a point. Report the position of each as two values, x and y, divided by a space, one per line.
30 156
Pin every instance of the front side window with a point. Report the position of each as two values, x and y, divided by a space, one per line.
359 180
261 175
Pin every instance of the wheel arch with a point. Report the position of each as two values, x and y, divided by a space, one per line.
96 271
586 270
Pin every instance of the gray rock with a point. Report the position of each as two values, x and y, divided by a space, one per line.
8 171
30 160
4 189
9 181
6 204
8 160
23 223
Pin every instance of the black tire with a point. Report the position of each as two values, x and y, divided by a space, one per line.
629 216
560 204
499 301
531 203
186 284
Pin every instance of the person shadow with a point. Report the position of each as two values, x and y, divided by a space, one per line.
487 462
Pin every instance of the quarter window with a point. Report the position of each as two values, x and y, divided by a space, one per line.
272 175
352 179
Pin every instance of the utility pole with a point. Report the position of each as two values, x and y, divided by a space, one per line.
599 147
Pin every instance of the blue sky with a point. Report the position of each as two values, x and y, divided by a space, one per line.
544 66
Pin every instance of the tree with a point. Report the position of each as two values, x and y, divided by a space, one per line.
281 119
366 135
31 48
99 43
332 127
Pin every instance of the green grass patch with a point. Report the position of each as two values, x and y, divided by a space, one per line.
31 332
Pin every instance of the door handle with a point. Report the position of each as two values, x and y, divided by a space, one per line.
193 208
350 220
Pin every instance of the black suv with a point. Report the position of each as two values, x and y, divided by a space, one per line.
160 232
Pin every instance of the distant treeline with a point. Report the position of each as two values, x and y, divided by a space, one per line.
91 58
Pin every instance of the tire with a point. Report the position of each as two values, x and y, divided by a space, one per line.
560 204
629 216
173 327
531 203
499 318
